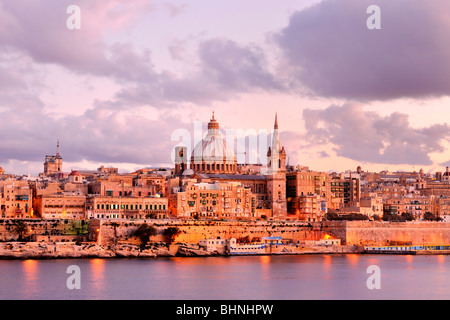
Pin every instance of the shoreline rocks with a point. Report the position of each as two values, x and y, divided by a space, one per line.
71 250
64 250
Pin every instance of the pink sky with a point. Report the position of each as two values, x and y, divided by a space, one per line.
114 91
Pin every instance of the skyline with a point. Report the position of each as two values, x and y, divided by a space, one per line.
114 91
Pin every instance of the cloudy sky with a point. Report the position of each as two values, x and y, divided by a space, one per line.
117 91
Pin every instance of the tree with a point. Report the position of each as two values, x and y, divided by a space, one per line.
431 217
408 216
115 225
170 234
144 232
376 217
21 229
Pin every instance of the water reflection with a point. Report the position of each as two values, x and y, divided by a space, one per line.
250 277
30 278
327 262
96 276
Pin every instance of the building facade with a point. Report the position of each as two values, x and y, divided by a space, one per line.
112 207
60 206
226 200
16 199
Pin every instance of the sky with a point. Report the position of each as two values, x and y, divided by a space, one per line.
119 90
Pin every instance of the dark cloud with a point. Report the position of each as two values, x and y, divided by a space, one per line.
329 50
366 136
99 135
235 66
224 70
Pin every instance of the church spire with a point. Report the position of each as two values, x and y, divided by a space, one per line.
276 121
276 144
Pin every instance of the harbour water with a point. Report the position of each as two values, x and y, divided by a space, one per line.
299 277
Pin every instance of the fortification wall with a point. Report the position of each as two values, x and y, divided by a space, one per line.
45 229
193 231
115 231
384 233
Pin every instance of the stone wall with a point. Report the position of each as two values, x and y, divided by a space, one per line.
194 230
48 230
385 233
350 232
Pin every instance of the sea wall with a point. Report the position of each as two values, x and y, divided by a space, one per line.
385 233
191 231
107 232
47 230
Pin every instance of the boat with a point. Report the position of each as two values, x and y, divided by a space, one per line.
409 249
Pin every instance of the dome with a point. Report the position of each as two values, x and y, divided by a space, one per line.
213 148
75 173
188 172
213 153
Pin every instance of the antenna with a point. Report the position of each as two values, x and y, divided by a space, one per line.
57 149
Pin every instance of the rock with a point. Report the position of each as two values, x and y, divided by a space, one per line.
147 254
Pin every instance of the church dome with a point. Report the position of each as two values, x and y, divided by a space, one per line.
188 172
213 154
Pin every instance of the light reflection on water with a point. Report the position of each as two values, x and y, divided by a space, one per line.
230 278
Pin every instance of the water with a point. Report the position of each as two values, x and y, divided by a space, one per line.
230 278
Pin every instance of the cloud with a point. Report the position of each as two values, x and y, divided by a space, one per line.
366 136
98 136
39 29
223 69
328 49
175 9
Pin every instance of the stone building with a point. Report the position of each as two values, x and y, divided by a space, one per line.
112 207
219 200
303 184
53 164
412 204
60 206
16 199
